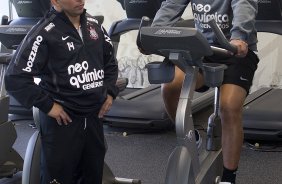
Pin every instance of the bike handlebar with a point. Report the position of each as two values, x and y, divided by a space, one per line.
224 43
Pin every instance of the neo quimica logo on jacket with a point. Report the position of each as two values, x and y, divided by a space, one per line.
203 13
83 78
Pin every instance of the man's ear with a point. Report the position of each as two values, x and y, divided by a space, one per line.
56 5
53 2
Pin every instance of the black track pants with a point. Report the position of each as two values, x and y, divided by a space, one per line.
72 153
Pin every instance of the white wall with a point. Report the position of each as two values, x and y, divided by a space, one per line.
269 72
4 8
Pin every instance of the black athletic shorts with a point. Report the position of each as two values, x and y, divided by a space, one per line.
240 71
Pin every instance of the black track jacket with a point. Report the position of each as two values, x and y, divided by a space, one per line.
76 73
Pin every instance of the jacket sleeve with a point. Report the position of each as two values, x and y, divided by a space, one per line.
110 66
170 12
244 15
28 61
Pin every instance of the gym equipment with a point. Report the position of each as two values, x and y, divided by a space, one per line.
190 59
185 165
261 119
143 108
10 161
262 115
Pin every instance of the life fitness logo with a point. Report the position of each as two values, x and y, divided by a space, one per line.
202 15
82 78
33 53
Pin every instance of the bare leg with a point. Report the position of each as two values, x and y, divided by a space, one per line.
231 105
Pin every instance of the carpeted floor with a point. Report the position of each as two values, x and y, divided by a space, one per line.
143 155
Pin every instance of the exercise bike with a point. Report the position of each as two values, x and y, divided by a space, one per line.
10 160
185 164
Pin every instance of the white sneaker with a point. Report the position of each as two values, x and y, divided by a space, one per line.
224 183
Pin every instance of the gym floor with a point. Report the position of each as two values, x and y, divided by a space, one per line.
143 154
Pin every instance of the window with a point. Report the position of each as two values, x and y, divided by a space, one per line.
4 9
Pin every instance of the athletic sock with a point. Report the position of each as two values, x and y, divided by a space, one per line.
229 175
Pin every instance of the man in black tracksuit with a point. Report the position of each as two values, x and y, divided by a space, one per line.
73 56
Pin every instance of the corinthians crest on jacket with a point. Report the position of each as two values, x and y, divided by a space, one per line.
93 33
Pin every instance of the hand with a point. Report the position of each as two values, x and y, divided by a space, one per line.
242 47
59 114
106 106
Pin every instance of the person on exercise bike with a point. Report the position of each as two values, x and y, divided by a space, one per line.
236 18
73 55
